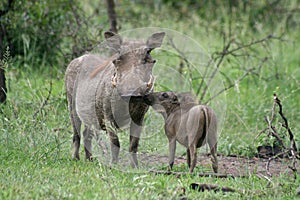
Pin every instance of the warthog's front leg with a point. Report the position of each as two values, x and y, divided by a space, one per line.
76 145
172 149
135 133
188 157
114 146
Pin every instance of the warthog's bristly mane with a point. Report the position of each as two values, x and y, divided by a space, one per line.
103 65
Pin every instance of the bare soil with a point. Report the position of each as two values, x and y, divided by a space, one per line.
231 165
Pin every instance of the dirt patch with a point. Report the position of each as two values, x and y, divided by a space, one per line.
237 166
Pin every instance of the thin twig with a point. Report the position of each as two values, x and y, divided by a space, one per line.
274 157
219 58
182 57
44 103
273 131
223 54
261 132
248 72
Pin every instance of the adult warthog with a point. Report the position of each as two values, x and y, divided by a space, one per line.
190 124
106 93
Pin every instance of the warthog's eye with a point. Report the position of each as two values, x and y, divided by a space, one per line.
148 50
148 58
165 95
175 98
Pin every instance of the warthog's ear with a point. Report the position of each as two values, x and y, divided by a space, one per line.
155 40
114 41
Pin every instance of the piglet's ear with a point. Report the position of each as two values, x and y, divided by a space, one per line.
155 40
114 41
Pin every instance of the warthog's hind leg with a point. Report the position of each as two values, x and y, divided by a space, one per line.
76 124
188 157
214 159
172 150
193 153
87 142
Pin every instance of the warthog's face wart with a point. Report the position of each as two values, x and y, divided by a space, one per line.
133 64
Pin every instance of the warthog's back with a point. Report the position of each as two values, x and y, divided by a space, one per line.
81 86
202 121
189 123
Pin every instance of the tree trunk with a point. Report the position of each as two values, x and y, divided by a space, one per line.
112 15
3 89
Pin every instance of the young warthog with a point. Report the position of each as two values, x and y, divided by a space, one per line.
106 93
187 122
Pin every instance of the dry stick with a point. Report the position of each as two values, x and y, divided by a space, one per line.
204 75
249 71
182 56
293 167
286 125
213 58
226 52
261 132
274 157
44 103
273 131
210 187
265 177
223 54
178 174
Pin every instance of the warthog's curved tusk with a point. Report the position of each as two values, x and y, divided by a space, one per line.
114 80
151 82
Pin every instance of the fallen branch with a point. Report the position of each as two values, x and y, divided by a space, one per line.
210 187
286 124
214 175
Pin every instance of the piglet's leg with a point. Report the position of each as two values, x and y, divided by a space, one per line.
214 160
193 153
188 157
172 149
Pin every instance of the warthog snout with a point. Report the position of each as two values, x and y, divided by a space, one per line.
133 91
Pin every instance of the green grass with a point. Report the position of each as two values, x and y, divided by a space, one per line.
36 143
35 159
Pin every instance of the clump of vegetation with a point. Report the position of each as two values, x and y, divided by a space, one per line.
256 53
